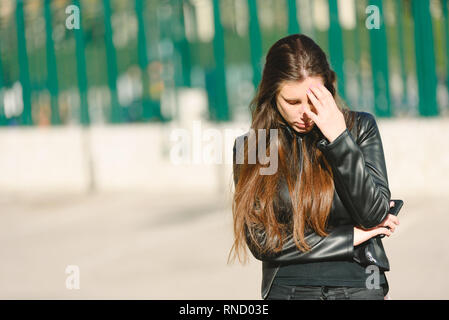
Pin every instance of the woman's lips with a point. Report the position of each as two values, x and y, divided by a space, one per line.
303 125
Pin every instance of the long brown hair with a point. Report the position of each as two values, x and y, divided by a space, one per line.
292 58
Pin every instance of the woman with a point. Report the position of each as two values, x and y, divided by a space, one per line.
330 191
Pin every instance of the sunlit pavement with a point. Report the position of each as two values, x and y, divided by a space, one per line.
147 246
127 246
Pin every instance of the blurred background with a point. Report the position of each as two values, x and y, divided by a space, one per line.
99 99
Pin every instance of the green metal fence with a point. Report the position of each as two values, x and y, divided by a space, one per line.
125 55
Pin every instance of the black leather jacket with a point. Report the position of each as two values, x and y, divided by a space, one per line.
361 198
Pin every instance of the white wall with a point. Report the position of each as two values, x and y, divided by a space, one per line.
57 159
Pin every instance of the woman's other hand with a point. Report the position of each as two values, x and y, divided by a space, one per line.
387 227
391 221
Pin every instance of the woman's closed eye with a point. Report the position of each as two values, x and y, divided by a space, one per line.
293 102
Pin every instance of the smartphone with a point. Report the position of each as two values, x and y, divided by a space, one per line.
394 210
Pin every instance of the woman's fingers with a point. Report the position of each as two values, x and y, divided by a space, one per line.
322 92
318 92
323 95
390 222
314 98
384 231
320 96
325 91
393 218
391 225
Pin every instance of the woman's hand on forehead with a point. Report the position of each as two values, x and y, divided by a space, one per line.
328 117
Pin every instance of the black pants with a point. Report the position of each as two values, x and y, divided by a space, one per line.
285 292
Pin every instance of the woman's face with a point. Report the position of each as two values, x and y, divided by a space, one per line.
292 100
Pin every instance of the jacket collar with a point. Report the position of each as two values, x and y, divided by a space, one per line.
291 132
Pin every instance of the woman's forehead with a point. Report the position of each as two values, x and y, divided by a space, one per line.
289 89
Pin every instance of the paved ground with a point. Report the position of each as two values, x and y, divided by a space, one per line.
143 246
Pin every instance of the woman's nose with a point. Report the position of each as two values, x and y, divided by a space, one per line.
303 107
303 115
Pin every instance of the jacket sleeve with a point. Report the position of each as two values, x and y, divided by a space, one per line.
360 172
338 245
